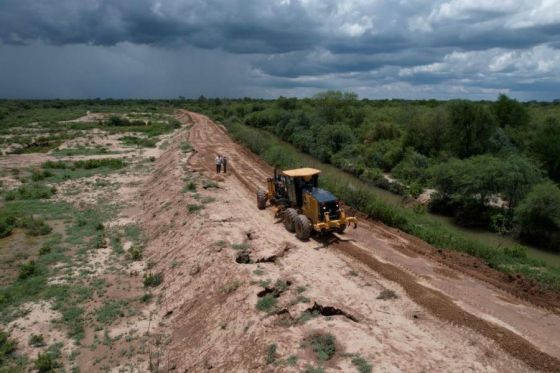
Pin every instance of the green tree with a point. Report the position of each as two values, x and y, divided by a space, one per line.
471 125
510 112
546 146
515 177
538 215
426 133
334 106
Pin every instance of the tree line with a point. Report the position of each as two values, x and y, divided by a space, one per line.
493 164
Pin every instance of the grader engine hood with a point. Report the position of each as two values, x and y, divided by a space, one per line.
328 204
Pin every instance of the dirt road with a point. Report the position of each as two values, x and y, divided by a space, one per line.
382 300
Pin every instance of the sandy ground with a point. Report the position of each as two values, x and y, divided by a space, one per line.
440 320
127 343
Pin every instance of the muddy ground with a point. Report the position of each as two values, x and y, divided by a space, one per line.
239 293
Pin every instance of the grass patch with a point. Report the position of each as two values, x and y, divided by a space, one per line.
141 142
27 270
271 353
387 294
210 184
361 364
189 187
193 208
324 345
82 150
30 191
110 311
153 279
230 287
9 362
312 369
240 246
267 303
186 147
37 340
66 170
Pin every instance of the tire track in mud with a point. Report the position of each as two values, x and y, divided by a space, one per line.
209 139
444 308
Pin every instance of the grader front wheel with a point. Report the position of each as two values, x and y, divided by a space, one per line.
261 199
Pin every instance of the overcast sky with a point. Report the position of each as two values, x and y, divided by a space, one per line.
378 49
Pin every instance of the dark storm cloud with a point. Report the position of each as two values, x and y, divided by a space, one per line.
287 46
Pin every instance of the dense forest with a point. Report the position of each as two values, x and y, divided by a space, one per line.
494 165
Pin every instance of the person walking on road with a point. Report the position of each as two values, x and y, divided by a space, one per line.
224 163
218 163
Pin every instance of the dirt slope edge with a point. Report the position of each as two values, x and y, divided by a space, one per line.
516 285
442 307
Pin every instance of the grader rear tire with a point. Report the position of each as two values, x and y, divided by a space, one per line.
261 199
303 227
290 216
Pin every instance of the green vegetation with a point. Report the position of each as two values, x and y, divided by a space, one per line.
271 354
8 360
153 279
47 361
361 364
193 208
539 215
56 171
267 303
186 147
30 191
141 142
376 136
240 246
312 369
110 311
82 150
37 340
324 345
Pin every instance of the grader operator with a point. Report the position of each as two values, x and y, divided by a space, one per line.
304 206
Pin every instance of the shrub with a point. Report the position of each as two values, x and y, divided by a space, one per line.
153 279
271 354
7 347
6 227
190 187
142 142
266 303
36 340
193 208
135 253
31 191
312 369
35 227
46 363
210 184
89 164
361 364
323 345
240 246
27 270
538 215
186 147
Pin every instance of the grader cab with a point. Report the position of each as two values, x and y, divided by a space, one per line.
304 206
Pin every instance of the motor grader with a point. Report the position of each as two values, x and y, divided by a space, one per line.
303 206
